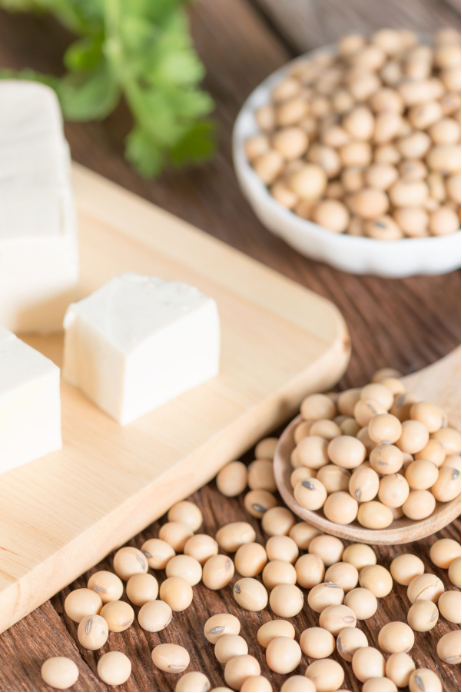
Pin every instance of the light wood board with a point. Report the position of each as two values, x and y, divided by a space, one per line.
61 514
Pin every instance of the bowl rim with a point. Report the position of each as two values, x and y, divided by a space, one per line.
307 228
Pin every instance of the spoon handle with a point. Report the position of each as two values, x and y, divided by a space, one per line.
440 383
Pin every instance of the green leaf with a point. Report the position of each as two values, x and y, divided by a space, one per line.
89 95
182 68
84 54
198 144
155 11
19 5
137 34
141 49
152 111
143 153
80 16
189 104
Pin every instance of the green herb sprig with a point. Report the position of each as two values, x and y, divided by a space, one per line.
141 50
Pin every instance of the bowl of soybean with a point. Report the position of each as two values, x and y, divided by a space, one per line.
431 241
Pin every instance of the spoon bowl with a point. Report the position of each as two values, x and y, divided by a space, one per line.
439 383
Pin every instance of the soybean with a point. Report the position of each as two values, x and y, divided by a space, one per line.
448 647
93 632
155 616
336 618
217 572
142 588
406 567
362 601
286 600
250 594
129 561
239 669
426 586
424 680
283 655
193 681
348 641
326 674
343 574
444 551
177 593
201 547
114 668
329 549
423 615
157 553
376 579
118 615
59 672
250 559
359 555
317 643
219 625
82 602
187 513
235 534
310 570
324 595
170 658
229 646
396 637
275 629
398 669
107 585
258 502
232 479
176 534
277 521
256 683
184 567
368 663
449 606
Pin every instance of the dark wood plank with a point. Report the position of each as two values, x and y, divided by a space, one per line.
307 24
406 323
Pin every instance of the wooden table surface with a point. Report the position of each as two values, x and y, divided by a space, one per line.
407 323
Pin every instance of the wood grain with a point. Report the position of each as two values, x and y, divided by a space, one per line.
408 323
307 24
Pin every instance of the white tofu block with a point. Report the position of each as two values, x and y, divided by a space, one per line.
139 341
30 111
38 232
30 410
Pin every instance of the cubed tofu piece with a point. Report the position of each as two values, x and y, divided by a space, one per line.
39 268
30 410
139 341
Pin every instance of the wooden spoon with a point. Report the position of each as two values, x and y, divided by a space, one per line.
439 383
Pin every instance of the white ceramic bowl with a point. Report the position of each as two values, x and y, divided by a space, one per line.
354 254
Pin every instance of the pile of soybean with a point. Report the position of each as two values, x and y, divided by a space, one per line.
374 454
365 139
297 568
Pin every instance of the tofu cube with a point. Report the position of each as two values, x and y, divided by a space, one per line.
30 409
39 267
139 341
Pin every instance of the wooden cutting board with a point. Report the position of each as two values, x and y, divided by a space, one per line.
61 514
